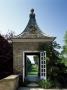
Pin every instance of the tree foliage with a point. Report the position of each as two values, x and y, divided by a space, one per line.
36 59
64 51
28 65
6 57
9 35
55 69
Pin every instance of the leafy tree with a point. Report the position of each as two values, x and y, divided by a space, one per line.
63 57
64 51
36 59
55 69
9 35
6 57
28 65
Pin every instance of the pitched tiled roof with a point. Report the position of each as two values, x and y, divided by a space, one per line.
32 30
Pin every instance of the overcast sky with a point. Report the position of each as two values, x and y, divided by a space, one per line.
51 16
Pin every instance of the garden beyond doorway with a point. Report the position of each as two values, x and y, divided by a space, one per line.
32 69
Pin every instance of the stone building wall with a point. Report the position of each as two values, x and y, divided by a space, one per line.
18 49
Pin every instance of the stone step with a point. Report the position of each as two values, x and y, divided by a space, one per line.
32 85
27 88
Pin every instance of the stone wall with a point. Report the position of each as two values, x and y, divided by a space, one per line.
9 83
18 49
18 58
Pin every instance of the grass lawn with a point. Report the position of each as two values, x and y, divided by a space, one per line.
34 71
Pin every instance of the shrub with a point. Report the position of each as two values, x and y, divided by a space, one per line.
46 83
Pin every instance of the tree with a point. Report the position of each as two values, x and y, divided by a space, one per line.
64 51
36 59
59 68
28 65
55 69
6 57
64 59
9 35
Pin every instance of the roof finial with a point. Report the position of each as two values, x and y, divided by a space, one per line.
32 14
32 10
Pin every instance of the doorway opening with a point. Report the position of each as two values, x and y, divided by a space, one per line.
32 66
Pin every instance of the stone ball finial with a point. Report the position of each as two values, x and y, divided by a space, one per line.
32 14
32 10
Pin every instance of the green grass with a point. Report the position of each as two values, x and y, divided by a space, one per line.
34 71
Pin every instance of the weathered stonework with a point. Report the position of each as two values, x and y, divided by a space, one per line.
18 49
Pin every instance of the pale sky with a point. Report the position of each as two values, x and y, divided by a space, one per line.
51 16
31 58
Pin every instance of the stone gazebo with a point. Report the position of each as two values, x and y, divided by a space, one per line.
27 43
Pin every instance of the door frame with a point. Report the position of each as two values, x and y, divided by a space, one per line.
30 52
24 62
33 53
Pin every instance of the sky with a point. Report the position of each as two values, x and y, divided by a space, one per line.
31 58
51 16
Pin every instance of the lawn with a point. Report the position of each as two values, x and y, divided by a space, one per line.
34 70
